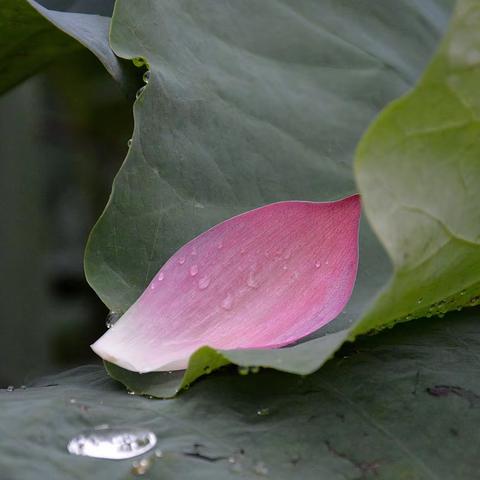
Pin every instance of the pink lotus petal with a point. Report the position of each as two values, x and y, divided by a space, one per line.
262 279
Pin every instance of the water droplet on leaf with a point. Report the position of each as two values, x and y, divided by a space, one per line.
263 412
141 467
112 319
112 443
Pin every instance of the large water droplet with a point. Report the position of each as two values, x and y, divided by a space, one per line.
193 270
227 302
112 319
112 443
203 283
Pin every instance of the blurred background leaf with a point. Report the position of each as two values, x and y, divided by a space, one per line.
63 135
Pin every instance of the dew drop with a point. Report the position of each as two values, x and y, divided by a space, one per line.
138 61
203 283
287 255
10 388
158 453
261 469
263 412
181 260
193 270
255 369
318 264
474 300
285 267
141 467
194 250
112 319
146 76
420 300
112 443
131 392
139 92
463 292
243 370
161 276
220 244
251 280
129 143
227 302
152 286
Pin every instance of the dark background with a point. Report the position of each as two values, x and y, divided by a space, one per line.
63 135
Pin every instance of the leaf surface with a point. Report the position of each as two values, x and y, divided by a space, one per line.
403 404
33 34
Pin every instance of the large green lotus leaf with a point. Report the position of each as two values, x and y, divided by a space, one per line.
31 38
403 404
418 171
249 103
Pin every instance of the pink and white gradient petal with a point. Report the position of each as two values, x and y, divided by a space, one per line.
262 279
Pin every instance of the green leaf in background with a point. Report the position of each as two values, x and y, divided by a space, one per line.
403 404
418 171
31 38
237 114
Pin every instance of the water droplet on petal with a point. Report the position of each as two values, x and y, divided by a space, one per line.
10 388
131 392
181 260
220 244
227 302
161 276
112 443
285 267
318 264
251 280
194 250
129 143
203 283
193 270
287 255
